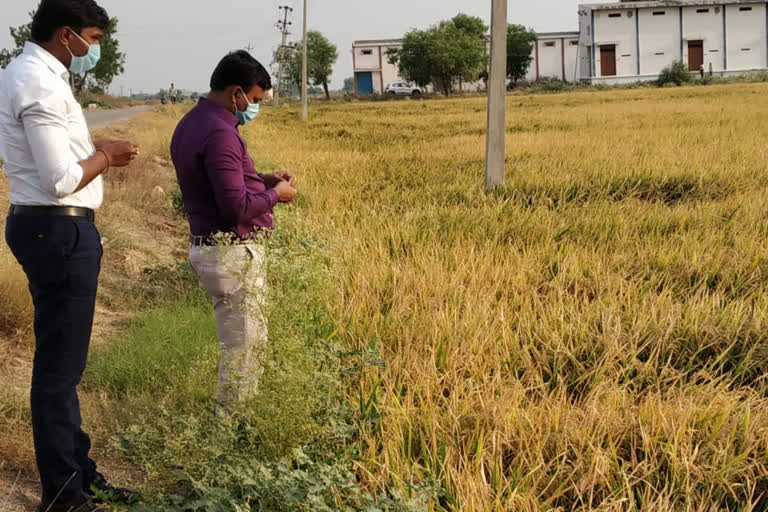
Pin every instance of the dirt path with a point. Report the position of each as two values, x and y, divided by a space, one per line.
98 119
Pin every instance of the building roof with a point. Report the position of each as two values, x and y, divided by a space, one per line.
399 42
378 42
643 4
558 35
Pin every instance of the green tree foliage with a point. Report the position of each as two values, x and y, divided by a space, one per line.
20 35
322 56
413 59
349 85
520 43
451 50
111 64
676 73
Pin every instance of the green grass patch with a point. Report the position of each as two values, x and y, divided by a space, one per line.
171 349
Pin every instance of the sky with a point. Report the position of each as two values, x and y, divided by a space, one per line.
181 41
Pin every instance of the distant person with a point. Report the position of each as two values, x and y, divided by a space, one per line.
54 172
227 198
701 71
172 93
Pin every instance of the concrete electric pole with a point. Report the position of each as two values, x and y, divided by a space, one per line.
495 156
304 73
283 26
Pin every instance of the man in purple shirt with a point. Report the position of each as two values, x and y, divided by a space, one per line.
230 208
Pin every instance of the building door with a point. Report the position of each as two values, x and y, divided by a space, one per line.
364 83
695 55
608 60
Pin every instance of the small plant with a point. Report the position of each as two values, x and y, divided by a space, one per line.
177 201
676 73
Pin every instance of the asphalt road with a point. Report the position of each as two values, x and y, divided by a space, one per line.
102 118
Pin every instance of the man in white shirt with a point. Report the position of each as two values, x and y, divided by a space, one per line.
54 172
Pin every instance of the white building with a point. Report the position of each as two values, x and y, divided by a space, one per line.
372 68
555 55
621 42
634 40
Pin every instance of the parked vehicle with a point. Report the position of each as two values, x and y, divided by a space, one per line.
403 89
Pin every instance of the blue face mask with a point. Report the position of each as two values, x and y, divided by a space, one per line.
249 114
88 61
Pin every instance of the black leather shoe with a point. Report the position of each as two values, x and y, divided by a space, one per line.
102 491
86 506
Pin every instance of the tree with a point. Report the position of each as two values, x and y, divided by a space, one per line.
111 64
322 56
452 50
520 43
349 85
413 58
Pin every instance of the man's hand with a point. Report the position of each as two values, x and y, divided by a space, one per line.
271 180
120 153
285 192
102 143
287 176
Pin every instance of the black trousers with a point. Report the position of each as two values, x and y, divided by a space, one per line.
62 259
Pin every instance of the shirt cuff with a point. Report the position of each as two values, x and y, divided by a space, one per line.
273 196
67 185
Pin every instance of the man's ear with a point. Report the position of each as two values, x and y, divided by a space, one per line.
61 36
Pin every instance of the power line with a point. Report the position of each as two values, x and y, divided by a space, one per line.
282 25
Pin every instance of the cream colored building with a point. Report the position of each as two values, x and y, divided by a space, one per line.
622 42
633 40
372 68
555 55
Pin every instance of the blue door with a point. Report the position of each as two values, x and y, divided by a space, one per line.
364 83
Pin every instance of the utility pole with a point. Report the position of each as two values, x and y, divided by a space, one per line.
283 26
304 77
495 156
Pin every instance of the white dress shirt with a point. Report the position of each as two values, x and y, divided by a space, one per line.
43 134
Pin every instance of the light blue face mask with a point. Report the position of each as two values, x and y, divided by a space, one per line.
249 114
88 61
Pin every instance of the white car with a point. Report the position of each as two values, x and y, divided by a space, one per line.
403 89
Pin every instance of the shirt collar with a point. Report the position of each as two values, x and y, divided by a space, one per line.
225 115
55 65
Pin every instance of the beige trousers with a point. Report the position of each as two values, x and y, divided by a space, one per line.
235 278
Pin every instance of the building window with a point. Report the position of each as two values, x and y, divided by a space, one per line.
746 49
744 9
549 44
713 51
659 53
574 43
659 13
615 15
367 52
702 11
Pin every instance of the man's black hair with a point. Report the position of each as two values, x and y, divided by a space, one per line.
239 68
51 15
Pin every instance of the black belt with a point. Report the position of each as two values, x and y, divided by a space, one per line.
56 211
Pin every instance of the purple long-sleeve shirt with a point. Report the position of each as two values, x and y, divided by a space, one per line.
222 190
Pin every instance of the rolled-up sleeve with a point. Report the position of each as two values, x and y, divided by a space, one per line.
223 158
45 123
